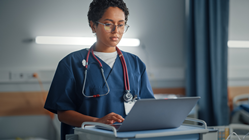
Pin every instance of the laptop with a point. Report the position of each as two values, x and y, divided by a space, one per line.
150 114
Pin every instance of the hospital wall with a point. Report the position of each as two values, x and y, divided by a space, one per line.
159 25
238 58
238 64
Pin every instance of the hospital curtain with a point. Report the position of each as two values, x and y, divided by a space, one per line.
206 51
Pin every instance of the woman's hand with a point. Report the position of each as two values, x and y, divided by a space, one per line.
110 118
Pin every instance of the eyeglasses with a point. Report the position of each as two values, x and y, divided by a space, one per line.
109 27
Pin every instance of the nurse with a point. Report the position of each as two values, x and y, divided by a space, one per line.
81 92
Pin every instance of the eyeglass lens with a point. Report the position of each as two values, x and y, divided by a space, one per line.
112 27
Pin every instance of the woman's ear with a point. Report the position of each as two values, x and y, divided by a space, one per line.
92 26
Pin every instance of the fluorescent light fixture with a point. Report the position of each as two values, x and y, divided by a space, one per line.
54 40
129 42
238 44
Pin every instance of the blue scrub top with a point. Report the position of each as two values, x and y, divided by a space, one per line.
65 92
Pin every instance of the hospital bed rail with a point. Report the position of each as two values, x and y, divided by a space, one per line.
240 99
232 130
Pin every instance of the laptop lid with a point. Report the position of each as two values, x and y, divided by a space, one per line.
149 114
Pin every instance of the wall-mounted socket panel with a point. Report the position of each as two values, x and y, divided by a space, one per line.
22 76
28 76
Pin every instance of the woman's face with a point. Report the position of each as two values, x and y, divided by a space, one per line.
106 41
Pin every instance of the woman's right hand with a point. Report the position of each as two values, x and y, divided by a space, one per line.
110 118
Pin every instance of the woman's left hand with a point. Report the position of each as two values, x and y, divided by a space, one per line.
110 118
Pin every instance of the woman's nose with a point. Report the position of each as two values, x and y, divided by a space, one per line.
115 29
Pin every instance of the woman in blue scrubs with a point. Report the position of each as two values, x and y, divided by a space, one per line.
97 98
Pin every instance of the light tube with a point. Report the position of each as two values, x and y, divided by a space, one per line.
54 40
238 44
129 42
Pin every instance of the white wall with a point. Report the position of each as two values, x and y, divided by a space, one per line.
238 59
158 24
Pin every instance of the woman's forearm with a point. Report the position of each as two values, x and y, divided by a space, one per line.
74 118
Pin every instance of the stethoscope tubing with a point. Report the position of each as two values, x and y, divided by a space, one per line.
125 71
102 73
98 95
125 74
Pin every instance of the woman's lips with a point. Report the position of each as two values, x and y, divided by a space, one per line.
114 38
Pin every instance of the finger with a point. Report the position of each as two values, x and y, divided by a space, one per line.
110 121
113 117
120 117
117 118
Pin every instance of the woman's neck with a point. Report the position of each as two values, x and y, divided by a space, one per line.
103 48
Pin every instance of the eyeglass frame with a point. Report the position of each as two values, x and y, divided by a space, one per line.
115 27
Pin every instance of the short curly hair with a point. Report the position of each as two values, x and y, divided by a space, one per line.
97 9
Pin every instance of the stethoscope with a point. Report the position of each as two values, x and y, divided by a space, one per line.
127 96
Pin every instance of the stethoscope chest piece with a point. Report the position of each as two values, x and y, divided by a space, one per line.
128 97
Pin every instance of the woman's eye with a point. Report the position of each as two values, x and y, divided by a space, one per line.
108 24
121 25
